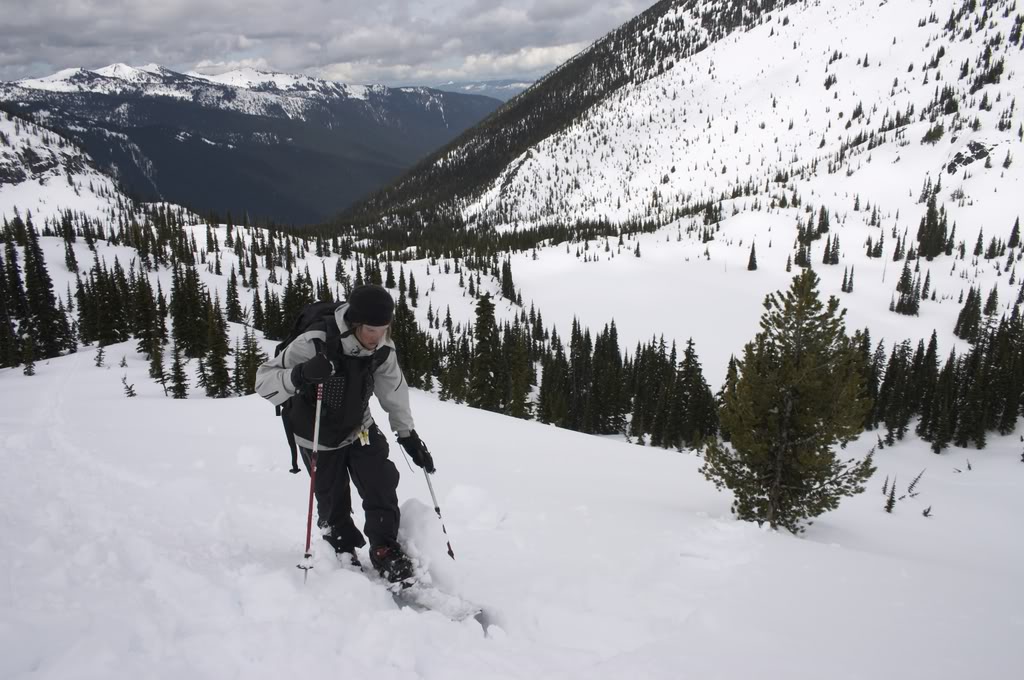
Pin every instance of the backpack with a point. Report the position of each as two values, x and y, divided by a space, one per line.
346 393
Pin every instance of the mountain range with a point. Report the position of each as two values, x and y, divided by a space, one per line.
287 147
504 89
691 104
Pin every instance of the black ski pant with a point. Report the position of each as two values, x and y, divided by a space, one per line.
376 480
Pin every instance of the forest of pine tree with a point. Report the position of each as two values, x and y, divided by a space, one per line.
584 381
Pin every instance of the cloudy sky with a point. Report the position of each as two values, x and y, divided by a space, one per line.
381 41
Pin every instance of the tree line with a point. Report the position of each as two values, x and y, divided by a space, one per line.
584 382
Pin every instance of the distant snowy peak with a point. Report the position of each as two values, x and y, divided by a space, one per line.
129 74
114 79
156 80
499 89
253 79
65 80
270 81
144 124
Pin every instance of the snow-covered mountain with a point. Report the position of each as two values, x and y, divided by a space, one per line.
45 175
276 145
696 102
732 125
499 89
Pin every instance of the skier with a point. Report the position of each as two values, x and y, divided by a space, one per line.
353 356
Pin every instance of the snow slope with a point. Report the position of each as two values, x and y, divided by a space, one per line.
156 538
44 174
755 104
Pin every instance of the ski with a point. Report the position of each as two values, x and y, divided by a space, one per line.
419 594
421 597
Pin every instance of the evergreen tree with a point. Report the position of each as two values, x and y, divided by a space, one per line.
146 321
218 378
341 276
233 306
248 358
413 353
752 262
179 382
508 288
10 351
799 393
28 355
49 327
17 300
188 311
607 384
931 233
728 390
520 372
414 293
454 377
581 371
553 402
992 302
695 408
70 261
823 221
484 391
968 321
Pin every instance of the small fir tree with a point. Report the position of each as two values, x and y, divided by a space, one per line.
800 392
179 382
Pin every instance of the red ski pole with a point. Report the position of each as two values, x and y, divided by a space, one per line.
307 564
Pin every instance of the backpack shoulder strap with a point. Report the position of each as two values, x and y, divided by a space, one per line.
313 315
379 357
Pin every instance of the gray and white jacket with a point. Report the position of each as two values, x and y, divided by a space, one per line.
274 382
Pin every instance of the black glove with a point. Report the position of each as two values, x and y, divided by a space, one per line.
418 451
316 370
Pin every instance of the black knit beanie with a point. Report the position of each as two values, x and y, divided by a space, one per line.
371 305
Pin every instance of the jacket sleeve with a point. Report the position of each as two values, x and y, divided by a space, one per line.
393 393
274 379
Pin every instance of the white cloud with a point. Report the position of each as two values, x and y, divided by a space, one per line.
390 41
526 60
214 67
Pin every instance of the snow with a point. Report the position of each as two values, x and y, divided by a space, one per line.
720 119
61 81
127 73
159 538
250 78
49 193
156 537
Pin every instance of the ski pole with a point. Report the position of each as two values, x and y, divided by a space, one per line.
306 565
437 509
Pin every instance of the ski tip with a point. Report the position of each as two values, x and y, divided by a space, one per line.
483 619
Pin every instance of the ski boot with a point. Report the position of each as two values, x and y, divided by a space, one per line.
393 564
